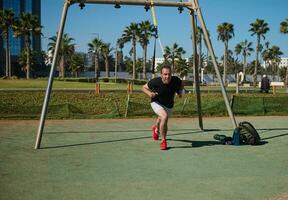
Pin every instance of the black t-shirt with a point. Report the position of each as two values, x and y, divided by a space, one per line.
165 92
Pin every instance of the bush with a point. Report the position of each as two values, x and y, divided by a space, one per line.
68 105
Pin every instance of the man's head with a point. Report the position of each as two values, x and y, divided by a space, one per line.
166 74
264 75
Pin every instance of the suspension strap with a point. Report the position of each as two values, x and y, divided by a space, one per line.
156 36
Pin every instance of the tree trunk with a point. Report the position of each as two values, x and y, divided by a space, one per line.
199 56
256 61
96 66
244 68
7 53
134 60
286 78
225 62
28 64
62 67
107 67
28 43
173 65
144 61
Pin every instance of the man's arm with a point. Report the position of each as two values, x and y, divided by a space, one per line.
181 90
148 91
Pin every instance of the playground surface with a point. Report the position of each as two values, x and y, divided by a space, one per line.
117 159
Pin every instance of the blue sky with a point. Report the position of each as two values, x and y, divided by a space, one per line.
108 23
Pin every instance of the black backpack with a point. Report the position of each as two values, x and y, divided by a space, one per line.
248 134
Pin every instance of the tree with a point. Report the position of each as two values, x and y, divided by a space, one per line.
120 44
129 66
199 33
22 60
6 22
245 49
272 57
284 30
225 33
181 68
146 31
258 28
66 50
106 50
25 26
95 47
76 64
131 34
173 52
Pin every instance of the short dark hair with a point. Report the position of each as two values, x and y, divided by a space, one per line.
166 67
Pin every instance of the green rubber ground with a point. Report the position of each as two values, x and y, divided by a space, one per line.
117 159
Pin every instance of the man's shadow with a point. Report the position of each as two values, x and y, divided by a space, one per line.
193 143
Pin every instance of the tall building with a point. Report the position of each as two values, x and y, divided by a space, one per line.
16 44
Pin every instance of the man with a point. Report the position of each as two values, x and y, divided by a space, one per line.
265 84
162 90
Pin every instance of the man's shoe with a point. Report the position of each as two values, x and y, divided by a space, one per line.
155 136
163 145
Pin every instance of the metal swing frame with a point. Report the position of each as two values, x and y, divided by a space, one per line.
192 6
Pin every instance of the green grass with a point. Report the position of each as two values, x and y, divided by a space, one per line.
113 104
42 84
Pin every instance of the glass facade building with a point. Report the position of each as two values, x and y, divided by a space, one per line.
16 44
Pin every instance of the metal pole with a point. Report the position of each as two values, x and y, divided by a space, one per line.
50 80
136 2
209 45
195 66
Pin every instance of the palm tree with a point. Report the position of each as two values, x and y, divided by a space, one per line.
284 30
76 64
272 56
106 50
146 31
260 28
6 22
25 26
120 45
199 33
95 47
225 33
22 59
131 34
245 49
175 52
66 50
181 67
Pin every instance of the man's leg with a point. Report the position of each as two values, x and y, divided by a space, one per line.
158 120
163 117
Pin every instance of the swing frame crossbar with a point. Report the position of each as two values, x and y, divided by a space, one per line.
192 6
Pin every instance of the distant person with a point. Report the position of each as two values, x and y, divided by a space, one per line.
162 90
265 84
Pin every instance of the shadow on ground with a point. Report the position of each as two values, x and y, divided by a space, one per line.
191 143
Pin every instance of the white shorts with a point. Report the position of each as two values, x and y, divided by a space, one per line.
157 107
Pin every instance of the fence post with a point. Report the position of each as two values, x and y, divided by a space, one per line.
130 88
232 101
184 104
274 89
127 105
97 88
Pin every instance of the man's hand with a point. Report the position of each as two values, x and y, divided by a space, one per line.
149 92
153 94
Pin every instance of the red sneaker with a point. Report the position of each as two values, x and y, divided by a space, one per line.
163 145
155 136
